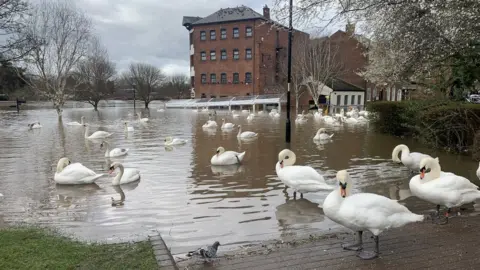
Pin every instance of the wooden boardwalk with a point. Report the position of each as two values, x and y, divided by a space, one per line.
415 246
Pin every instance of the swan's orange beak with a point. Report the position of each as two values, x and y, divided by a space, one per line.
281 164
343 192
422 173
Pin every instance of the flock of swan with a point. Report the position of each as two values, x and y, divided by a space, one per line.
359 211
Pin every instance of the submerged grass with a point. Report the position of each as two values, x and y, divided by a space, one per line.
36 248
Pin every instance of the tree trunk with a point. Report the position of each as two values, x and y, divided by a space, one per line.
146 103
95 105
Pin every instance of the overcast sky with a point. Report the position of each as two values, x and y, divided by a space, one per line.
151 30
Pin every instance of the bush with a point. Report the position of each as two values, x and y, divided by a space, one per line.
438 123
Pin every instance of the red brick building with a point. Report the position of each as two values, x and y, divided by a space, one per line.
235 52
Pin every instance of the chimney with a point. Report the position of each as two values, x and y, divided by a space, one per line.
350 28
266 12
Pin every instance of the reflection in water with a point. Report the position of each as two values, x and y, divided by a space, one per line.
119 202
181 195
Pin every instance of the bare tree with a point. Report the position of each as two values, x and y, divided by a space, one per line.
175 86
94 75
319 65
59 34
12 21
144 78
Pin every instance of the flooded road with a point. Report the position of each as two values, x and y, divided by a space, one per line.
188 201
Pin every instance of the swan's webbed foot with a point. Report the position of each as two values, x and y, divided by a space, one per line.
357 246
353 247
367 255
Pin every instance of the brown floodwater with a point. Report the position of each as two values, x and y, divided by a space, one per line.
180 195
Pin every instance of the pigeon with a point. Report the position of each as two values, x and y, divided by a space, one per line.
206 252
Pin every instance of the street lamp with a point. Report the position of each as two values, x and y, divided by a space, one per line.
288 127
134 85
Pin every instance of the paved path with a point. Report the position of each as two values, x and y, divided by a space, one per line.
415 246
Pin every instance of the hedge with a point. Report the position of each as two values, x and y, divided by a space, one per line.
440 124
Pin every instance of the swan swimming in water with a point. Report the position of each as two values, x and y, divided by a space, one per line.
143 120
34 125
322 135
82 122
245 134
97 134
127 128
410 160
126 175
174 141
223 157
74 173
365 211
227 125
115 152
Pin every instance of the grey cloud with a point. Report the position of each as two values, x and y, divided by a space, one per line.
150 30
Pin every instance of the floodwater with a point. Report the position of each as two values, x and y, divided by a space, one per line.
188 201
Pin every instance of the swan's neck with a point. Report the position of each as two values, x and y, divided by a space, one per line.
86 131
82 121
434 173
60 167
405 151
239 131
107 150
119 176
126 127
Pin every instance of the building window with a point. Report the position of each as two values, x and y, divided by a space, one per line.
248 77
204 78
236 33
213 56
359 99
213 78
236 78
203 35
203 56
223 55
248 53
223 33
248 31
352 100
339 100
213 35
236 54
345 100
223 78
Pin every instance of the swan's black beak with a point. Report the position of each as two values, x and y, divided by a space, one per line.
69 162
422 172
111 169
281 164
343 189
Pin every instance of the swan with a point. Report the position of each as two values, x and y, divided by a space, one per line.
341 114
301 120
223 157
115 152
245 134
365 211
74 174
126 175
142 119
274 115
363 113
34 125
445 189
127 128
329 119
410 160
82 121
245 111
227 125
174 141
160 110
322 135
210 123
350 120
235 115
303 179
478 171
97 134
318 115
250 117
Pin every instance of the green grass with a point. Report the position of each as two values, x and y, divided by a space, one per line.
34 248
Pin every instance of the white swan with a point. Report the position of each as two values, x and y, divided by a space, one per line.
126 175
250 117
301 179
97 134
245 134
127 128
160 110
82 121
350 120
365 211
115 152
318 115
446 189
410 160
274 114
478 171
227 125
223 157
174 141
322 135
34 125
210 123
245 111
142 119
301 119
341 114
74 174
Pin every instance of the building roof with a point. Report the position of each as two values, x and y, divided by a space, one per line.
240 13
341 85
189 20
